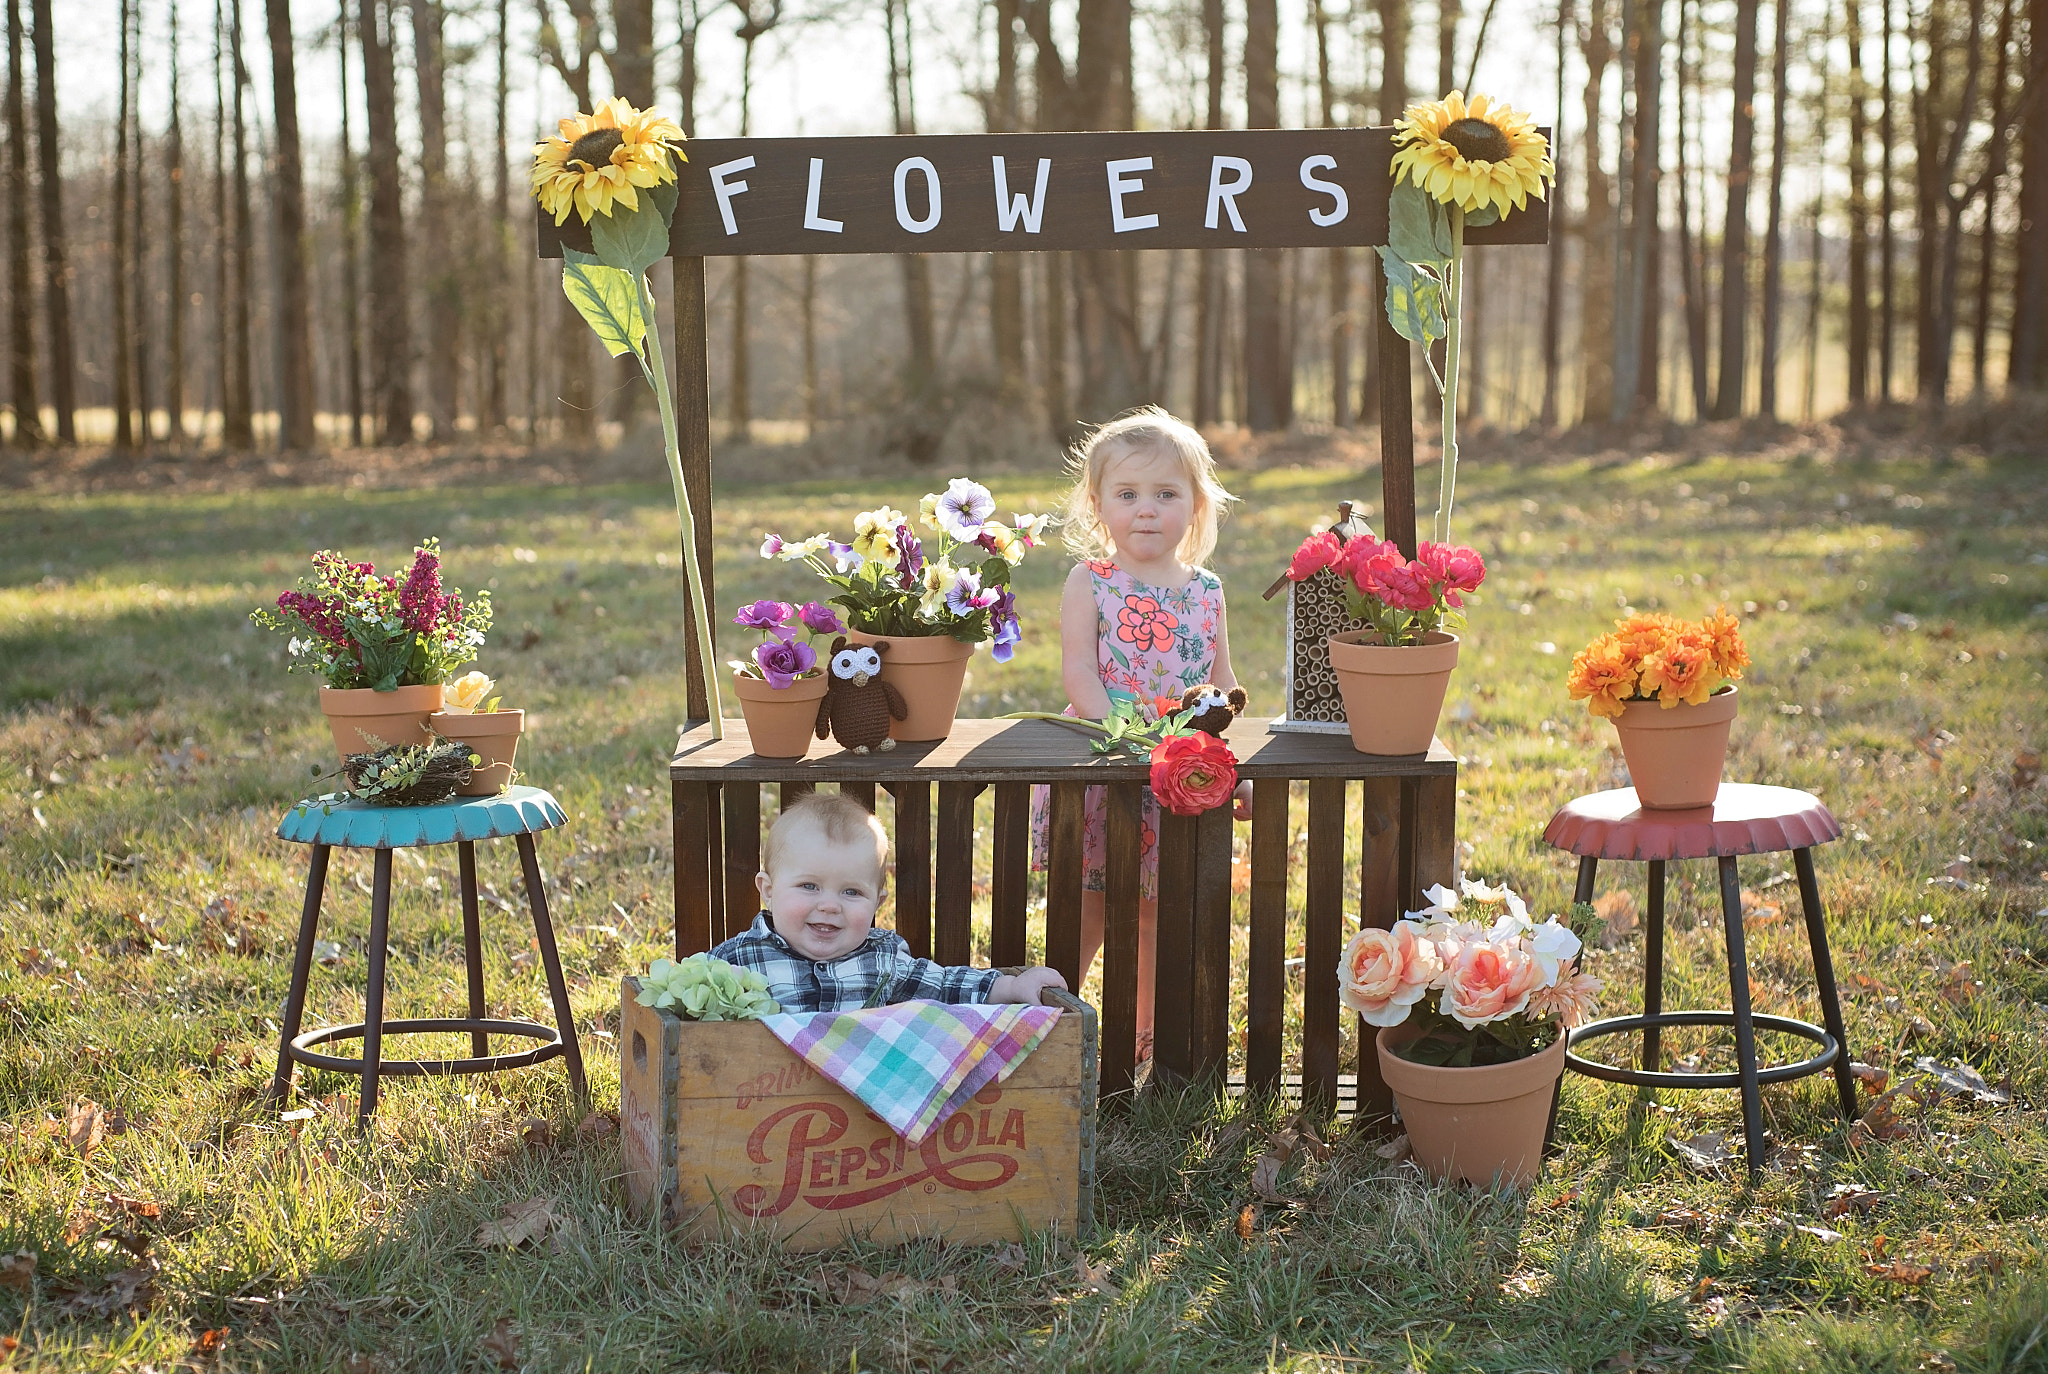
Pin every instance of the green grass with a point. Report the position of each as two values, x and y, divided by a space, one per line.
150 739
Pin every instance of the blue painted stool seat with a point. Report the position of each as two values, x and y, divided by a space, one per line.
327 821
353 824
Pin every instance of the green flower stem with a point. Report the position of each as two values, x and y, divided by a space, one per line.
1454 308
1074 722
658 375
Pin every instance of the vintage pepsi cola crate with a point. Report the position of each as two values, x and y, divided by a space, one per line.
724 1129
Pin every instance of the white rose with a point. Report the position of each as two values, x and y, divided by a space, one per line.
1553 945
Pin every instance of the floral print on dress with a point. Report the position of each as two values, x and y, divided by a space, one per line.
1153 643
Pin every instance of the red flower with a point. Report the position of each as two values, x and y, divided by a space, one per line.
1405 586
1193 773
1164 705
1144 624
1317 552
1458 567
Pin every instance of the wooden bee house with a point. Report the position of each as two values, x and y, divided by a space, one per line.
1315 611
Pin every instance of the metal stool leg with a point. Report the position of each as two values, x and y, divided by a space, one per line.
558 987
1745 1027
1824 977
1588 867
472 946
373 994
1653 966
302 970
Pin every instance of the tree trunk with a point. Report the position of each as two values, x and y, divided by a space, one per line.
1816 245
1339 258
1735 228
631 59
288 208
351 223
1596 310
1209 265
223 229
1446 46
687 19
2026 367
441 291
1941 127
1393 100
124 266
21 324
504 251
56 272
921 379
1987 232
1774 221
1006 270
1692 266
174 258
138 236
391 362
1646 250
1859 213
1058 405
1268 383
1553 256
1887 206
237 418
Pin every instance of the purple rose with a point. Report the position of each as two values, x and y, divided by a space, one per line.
820 619
783 661
764 615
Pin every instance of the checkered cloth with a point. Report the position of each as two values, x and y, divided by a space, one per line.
915 1063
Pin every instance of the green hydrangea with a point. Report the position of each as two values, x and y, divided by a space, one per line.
701 988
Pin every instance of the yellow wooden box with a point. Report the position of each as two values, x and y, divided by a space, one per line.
725 1130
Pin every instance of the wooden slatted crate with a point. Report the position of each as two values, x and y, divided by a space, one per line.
724 1129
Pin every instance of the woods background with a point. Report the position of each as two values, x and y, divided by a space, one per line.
302 224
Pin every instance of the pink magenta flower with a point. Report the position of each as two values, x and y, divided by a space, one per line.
1457 567
783 661
1385 972
1404 586
1490 981
820 619
1317 552
764 615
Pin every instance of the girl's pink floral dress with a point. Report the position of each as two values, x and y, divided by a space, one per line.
1150 642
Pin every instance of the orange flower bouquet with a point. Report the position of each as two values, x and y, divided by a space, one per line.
1674 755
1660 658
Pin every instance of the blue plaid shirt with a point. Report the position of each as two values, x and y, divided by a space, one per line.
881 972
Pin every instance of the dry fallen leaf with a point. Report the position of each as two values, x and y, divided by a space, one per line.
1874 1079
134 1206
522 1222
209 1343
1247 1221
1757 909
596 1127
2026 770
1900 1271
1708 1153
1681 1219
502 1345
1618 916
1961 1078
1095 1276
1561 1201
18 1271
86 1125
1011 1257
1852 1197
1820 1233
129 1290
537 1132
1880 1120
1394 1150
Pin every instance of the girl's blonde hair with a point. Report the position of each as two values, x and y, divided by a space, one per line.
1148 429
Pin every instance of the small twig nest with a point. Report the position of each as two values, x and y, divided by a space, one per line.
409 775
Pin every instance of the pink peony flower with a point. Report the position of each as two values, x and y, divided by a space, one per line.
1385 972
1456 567
1490 981
1317 552
1571 999
1404 586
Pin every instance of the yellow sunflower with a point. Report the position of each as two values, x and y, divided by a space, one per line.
599 158
1472 154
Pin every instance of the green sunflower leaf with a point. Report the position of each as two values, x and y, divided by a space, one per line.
1418 229
1414 301
608 300
630 240
1483 216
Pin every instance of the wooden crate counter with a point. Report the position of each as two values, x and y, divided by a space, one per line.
725 1129
1408 807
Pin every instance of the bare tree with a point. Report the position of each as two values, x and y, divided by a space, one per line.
1553 271
1393 99
1692 263
237 414
288 212
1596 307
1646 237
441 287
56 271
351 224
503 249
1269 383
21 324
1209 264
1859 213
757 18
139 292
2027 362
1994 175
391 361
1774 220
1735 227
1339 258
174 255
1816 246
124 266
1887 207
1006 270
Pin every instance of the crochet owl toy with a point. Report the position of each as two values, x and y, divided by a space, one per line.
1215 707
858 705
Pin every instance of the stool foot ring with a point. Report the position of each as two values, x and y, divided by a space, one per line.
1645 1078
551 1047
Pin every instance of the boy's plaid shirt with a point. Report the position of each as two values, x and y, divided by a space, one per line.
880 973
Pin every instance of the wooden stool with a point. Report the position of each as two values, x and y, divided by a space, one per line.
1744 819
461 821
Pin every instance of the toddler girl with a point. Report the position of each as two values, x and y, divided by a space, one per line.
1139 618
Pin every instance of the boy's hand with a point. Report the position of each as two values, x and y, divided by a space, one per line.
1242 810
1025 986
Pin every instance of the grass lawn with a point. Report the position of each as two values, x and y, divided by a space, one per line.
1897 610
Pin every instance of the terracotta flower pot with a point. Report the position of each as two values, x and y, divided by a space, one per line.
1479 1124
492 736
1392 696
363 720
1675 756
780 721
929 670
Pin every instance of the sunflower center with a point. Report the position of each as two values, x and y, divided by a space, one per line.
595 148
1475 139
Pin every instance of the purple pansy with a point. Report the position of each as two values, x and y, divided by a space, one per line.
966 595
909 558
963 507
783 661
1007 631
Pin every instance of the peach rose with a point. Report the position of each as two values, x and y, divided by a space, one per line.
1385 972
1572 999
1490 981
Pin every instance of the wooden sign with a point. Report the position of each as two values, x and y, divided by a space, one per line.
724 1129
980 193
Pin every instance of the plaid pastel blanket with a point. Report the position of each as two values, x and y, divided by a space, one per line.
915 1063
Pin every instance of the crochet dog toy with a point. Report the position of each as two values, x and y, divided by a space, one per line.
1216 707
858 705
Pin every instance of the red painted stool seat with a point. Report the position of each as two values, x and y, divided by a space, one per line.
1746 818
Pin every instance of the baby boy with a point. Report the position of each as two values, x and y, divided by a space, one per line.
815 939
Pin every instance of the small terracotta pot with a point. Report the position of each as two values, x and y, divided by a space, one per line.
1675 756
1482 1124
1392 696
780 721
929 670
364 720
492 736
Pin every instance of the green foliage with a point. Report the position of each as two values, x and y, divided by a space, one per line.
701 988
630 241
1418 228
608 299
1415 304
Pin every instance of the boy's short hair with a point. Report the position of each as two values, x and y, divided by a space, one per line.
843 820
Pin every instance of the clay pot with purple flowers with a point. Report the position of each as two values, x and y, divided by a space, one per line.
780 688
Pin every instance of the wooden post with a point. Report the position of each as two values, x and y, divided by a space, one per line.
693 436
1397 424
